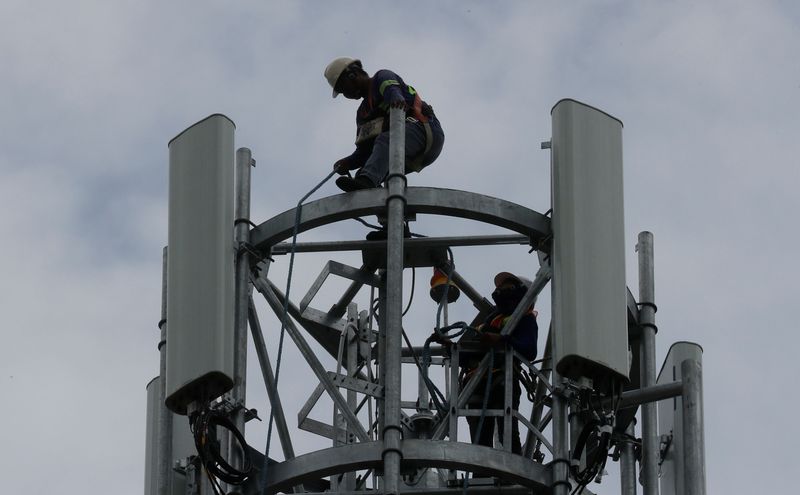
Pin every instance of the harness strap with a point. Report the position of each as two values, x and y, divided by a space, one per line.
415 165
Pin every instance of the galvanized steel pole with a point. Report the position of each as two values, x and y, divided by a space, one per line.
627 464
561 485
647 373
694 457
242 286
395 206
164 414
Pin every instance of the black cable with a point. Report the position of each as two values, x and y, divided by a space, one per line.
367 224
203 425
413 283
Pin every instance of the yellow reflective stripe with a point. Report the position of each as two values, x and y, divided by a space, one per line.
412 91
386 83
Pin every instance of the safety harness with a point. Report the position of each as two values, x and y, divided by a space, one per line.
419 112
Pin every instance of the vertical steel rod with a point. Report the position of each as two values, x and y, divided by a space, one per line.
628 463
541 390
558 409
164 414
382 353
452 399
351 336
241 230
561 485
508 390
395 206
647 320
694 463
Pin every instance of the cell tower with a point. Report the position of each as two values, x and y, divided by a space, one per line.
597 370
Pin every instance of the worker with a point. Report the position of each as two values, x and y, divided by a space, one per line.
384 90
508 293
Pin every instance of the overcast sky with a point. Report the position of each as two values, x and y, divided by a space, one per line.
92 91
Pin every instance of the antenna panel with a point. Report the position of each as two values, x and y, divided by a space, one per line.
200 272
151 437
670 418
589 291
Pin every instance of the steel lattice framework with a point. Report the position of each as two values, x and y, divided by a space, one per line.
419 452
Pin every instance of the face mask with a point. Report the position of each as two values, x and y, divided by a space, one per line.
507 299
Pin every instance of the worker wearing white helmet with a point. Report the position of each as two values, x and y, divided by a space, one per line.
382 91
508 294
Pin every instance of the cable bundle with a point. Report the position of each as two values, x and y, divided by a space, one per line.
204 425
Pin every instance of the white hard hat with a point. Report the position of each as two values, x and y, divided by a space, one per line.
335 69
502 277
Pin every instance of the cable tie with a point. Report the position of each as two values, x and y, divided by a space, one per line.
244 220
648 304
650 325
393 175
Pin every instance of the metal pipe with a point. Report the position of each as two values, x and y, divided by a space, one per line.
164 415
395 206
538 398
561 485
426 242
650 394
338 309
627 462
381 352
480 302
351 336
694 462
241 229
647 373
508 390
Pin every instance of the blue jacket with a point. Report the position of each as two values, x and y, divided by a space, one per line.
386 88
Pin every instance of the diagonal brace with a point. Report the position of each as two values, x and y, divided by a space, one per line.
311 359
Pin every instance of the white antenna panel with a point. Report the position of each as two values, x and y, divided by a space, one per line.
589 291
200 287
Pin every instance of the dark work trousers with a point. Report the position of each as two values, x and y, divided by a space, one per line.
377 166
496 401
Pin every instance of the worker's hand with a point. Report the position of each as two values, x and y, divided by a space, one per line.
341 167
401 104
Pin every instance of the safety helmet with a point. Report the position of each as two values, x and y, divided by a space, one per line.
334 70
502 277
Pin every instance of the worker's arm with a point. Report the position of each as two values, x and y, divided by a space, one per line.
356 160
390 89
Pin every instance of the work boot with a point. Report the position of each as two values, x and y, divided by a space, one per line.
348 184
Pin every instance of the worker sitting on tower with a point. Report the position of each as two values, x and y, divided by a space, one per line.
508 293
384 90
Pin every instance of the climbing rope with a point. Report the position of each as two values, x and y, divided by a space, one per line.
284 319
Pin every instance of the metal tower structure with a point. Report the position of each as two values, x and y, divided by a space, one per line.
598 369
